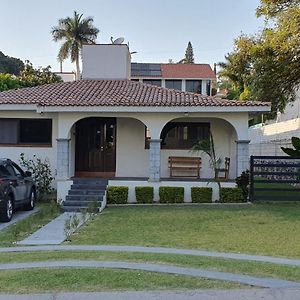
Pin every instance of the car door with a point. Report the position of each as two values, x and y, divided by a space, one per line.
17 183
22 181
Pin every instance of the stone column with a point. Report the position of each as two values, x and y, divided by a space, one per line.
154 160
242 156
63 159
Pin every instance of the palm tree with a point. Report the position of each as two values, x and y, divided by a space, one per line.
74 32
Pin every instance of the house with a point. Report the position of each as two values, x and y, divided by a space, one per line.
106 125
196 78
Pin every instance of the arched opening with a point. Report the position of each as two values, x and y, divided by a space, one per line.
95 147
180 134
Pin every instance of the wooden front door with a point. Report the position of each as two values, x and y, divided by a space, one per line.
96 147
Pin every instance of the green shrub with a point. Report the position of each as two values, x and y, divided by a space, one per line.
171 194
144 194
117 195
201 194
231 195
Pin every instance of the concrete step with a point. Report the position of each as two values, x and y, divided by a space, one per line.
79 203
84 198
90 181
87 192
88 186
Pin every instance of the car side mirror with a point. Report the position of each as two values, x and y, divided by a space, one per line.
28 174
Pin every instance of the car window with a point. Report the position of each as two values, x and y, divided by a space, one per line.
10 170
3 171
18 170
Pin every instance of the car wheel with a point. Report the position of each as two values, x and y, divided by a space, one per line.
31 203
6 213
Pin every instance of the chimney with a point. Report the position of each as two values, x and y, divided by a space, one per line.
111 61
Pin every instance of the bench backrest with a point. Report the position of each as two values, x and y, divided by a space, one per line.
183 160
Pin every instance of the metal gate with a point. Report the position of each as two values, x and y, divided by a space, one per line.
274 178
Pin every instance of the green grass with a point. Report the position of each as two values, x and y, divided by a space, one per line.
75 280
207 263
21 229
264 229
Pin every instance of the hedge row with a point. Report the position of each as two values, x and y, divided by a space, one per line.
171 194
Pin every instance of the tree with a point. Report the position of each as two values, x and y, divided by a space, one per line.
266 66
32 77
10 65
8 82
293 152
74 32
271 8
208 147
189 54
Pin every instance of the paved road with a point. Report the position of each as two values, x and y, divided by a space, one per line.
158 268
18 216
243 294
258 258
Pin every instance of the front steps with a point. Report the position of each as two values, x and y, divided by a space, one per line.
84 193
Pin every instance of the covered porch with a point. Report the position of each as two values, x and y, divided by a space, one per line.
135 147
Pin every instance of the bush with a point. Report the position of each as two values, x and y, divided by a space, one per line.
171 194
41 174
231 195
144 194
243 182
117 195
201 194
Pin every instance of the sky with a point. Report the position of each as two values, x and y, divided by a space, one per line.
158 30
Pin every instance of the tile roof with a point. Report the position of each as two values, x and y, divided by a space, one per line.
112 93
187 71
172 70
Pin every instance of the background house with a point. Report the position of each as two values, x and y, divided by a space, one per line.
196 78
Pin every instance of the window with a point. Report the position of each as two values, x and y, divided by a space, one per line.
208 85
193 86
25 131
181 135
3 171
174 84
156 82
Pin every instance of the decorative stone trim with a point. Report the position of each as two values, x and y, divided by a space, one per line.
154 160
62 158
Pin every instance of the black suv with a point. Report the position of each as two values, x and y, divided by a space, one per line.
17 189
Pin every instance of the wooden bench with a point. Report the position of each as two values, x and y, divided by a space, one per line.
181 164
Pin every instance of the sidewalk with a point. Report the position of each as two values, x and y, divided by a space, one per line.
53 233
243 294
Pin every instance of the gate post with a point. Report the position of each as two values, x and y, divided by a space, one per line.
251 192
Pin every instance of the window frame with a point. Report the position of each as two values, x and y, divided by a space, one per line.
173 125
25 144
193 81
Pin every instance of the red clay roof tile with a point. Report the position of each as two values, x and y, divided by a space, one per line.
112 93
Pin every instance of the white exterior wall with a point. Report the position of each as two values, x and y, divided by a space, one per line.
132 159
268 139
13 152
106 62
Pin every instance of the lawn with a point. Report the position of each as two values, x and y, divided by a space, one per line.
264 229
20 230
76 280
213 264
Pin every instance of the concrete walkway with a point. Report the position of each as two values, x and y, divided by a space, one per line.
158 268
236 256
243 294
53 233
18 216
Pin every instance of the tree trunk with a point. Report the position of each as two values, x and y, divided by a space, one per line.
77 68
